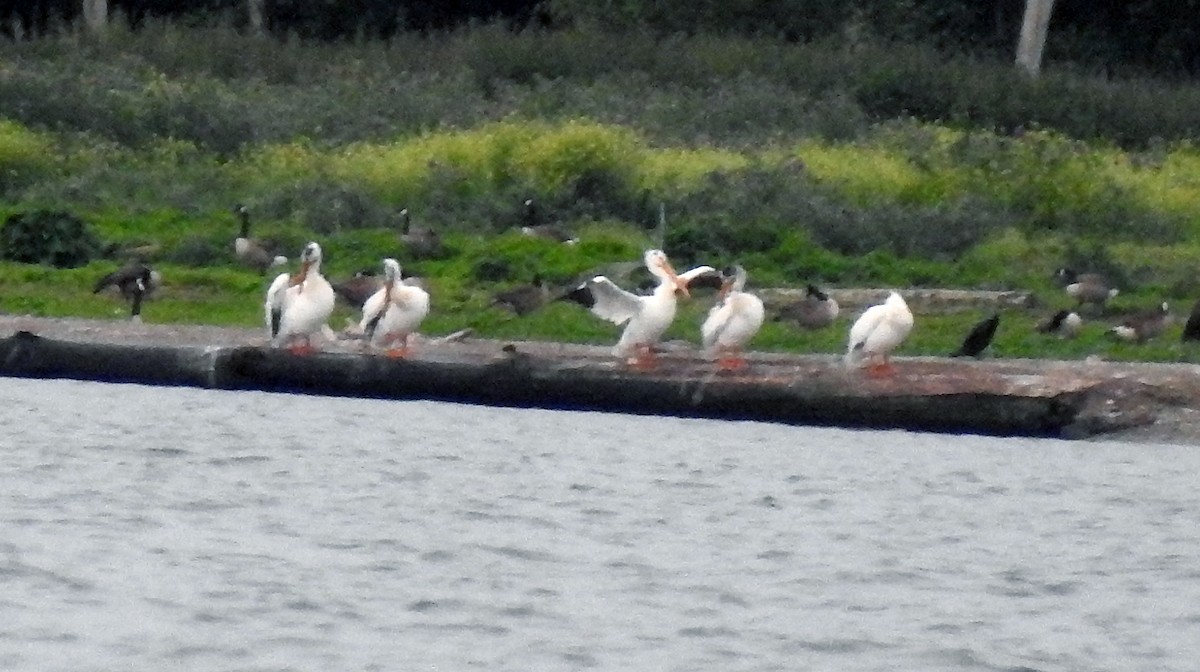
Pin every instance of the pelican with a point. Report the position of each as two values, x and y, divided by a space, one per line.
733 321
394 312
250 252
647 316
877 332
298 306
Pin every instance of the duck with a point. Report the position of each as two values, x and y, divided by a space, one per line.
534 228
979 338
1086 288
733 320
646 318
877 332
1143 326
815 310
1065 323
354 291
422 242
250 252
524 299
299 306
394 312
135 282
1191 329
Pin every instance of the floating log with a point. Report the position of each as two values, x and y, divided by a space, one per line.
1000 397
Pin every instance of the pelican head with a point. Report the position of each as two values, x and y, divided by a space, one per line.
657 263
391 270
310 259
733 279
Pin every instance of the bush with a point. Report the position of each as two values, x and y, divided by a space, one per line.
48 237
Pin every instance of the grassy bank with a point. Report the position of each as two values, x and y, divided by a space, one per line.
804 163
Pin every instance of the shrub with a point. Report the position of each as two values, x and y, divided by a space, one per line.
48 237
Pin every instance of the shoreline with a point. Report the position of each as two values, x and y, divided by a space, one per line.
1093 400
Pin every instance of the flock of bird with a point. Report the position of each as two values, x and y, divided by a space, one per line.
298 306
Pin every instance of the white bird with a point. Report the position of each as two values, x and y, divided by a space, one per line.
733 321
647 316
299 306
877 332
394 312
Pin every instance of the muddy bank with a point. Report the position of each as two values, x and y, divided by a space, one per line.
1070 399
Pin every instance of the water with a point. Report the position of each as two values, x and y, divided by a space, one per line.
177 529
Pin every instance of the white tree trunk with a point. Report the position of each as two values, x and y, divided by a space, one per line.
95 14
255 13
1033 35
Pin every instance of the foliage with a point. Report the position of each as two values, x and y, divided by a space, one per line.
59 239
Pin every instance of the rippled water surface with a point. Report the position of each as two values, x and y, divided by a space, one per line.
177 529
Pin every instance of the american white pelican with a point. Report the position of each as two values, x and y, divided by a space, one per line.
733 321
879 330
815 310
1143 326
979 338
250 252
135 282
394 312
299 306
1086 287
647 316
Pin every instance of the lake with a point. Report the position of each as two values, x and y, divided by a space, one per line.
151 528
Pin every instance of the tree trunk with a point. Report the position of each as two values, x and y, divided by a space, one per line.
95 14
255 14
1033 35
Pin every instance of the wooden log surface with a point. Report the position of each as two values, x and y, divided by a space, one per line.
1071 399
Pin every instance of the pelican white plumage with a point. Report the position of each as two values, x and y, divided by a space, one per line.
299 306
647 317
879 330
394 312
733 321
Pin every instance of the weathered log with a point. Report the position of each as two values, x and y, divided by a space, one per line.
926 394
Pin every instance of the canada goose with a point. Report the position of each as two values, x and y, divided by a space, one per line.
979 338
815 310
879 330
645 317
299 306
135 282
524 299
733 321
357 289
1086 288
394 312
534 227
1191 330
251 252
421 241
1142 326
1064 323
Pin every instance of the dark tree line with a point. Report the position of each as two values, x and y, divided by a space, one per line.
1158 35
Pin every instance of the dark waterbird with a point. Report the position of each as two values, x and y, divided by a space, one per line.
815 310
259 255
979 338
1064 323
134 282
1191 330
524 299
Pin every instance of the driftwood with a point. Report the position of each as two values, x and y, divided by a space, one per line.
1001 397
